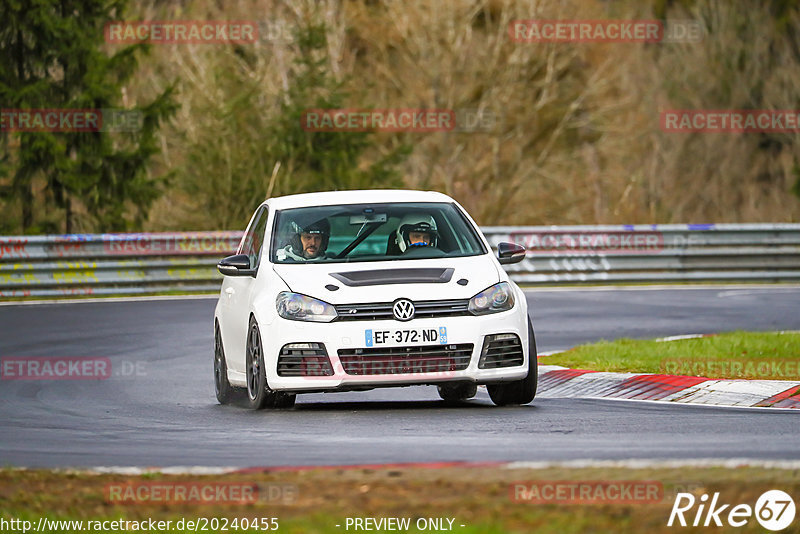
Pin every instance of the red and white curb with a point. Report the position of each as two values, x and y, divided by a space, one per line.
556 381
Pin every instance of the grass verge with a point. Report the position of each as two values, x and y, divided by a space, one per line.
748 355
482 499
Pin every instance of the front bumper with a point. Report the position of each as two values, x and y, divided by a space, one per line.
349 337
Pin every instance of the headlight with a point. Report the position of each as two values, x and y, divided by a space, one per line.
498 298
299 307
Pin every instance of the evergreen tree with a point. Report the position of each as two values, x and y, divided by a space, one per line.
326 160
52 56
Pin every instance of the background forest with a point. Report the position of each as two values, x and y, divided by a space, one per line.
574 135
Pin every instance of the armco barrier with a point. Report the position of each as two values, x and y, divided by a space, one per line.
654 253
104 264
112 264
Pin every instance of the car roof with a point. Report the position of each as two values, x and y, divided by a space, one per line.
369 196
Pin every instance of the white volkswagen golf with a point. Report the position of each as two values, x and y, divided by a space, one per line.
354 290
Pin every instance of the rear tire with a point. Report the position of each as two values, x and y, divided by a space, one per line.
458 391
520 391
222 387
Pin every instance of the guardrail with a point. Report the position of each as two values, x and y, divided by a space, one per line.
125 264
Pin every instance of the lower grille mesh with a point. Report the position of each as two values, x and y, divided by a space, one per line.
501 350
304 359
402 360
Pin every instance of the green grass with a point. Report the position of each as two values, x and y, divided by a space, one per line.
480 498
750 355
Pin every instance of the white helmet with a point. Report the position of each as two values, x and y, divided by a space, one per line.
416 223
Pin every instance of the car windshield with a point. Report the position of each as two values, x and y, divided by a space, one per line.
369 232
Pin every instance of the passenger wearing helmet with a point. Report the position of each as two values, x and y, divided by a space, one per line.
308 243
416 230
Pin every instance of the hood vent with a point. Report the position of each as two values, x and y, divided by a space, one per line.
395 276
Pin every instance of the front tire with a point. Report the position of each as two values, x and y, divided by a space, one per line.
259 394
222 387
520 391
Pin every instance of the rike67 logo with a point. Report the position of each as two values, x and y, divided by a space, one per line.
774 510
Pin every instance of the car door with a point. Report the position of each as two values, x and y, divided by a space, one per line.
236 293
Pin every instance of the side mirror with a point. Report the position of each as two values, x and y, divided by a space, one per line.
237 265
510 253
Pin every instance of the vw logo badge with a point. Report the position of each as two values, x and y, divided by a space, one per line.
403 310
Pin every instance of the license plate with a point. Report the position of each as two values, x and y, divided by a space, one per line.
405 336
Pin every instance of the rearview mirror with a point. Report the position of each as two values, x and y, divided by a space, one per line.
510 253
237 265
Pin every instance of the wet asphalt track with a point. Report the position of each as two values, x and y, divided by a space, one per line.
165 412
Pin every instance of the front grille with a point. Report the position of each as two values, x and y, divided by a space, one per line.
501 350
304 359
400 360
383 310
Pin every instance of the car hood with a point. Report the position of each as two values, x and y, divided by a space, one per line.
385 281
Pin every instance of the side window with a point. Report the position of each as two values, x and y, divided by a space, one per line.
253 240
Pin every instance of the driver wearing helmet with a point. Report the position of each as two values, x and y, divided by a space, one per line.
308 242
416 230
